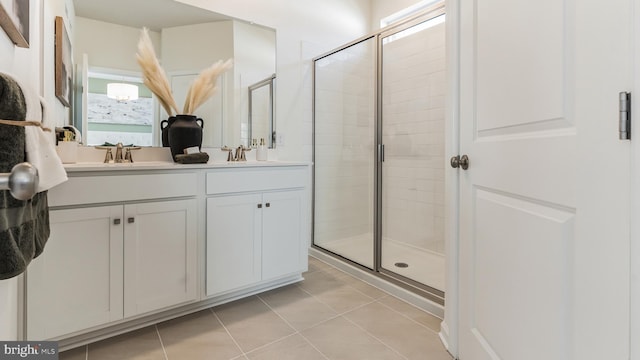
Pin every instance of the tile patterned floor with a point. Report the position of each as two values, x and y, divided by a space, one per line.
330 315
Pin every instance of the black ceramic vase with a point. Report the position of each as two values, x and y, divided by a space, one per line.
183 131
164 126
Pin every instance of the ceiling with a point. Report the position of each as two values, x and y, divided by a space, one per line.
153 14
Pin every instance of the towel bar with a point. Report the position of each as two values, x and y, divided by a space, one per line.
21 182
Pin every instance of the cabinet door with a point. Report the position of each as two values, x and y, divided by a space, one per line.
77 281
233 242
283 247
159 255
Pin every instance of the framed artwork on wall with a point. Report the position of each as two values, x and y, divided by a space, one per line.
63 68
14 19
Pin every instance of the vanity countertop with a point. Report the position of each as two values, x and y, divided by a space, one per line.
165 165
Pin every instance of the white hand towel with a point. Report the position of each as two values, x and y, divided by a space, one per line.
40 145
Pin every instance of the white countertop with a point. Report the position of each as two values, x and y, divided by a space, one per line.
155 158
165 165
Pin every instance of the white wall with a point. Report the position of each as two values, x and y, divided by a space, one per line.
51 9
34 67
108 45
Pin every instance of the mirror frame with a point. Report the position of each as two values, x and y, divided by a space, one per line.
272 130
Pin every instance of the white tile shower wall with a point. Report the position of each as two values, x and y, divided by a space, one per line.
344 136
413 134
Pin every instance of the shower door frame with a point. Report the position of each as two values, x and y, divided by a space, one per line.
428 292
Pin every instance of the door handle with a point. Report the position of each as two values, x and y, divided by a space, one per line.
458 161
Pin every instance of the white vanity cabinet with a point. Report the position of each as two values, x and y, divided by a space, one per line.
129 248
106 263
76 283
255 230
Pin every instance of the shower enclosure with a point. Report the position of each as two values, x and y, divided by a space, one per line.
379 138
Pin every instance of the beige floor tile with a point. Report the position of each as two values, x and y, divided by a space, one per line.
197 336
296 306
74 354
143 344
410 339
315 265
319 281
251 323
422 317
291 348
334 291
339 339
369 290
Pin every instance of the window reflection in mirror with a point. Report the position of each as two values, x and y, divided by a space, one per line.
261 124
114 117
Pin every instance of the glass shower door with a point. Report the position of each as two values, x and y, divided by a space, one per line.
412 173
344 152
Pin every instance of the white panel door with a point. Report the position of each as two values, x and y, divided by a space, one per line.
76 283
160 255
544 233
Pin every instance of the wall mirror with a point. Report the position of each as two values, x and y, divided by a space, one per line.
186 39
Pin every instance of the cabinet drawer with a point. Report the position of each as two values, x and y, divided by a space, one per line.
105 189
256 179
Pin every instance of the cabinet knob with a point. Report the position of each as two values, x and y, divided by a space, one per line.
268 204
116 221
259 206
131 220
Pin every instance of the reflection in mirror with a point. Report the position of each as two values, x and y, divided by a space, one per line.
261 127
114 116
187 39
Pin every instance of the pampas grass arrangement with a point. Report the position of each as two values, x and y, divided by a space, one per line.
154 77
204 86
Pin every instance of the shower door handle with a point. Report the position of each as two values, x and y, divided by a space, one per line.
462 162
381 152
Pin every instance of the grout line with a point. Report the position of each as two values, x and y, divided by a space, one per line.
313 346
295 333
161 343
277 313
375 337
228 332
407 316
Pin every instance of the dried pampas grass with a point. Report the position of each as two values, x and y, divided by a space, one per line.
153 74
204 86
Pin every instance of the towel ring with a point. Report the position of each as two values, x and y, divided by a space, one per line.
21 182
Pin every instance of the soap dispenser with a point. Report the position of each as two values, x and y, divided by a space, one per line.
261 154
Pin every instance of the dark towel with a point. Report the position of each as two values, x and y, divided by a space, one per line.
196 158
24 225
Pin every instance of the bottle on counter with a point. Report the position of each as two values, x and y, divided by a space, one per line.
261 154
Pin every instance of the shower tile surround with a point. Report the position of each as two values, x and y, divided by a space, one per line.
414 137
330 315
414 124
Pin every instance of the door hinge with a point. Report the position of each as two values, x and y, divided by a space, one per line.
625 116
